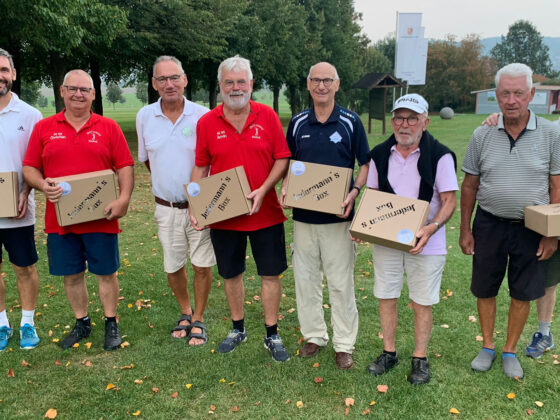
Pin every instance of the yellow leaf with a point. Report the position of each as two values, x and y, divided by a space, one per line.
109 386
511 395
222 380
55 340
539 403
137 413
453 410
138 381
76 345
316 364
188 386
299 404
372 403
88 345
51 413
231 383
67 363
125 344
129 305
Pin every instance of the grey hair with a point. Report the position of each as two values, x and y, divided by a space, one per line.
77 71
423 114
311 68
236 63
516 70
167 58
4 53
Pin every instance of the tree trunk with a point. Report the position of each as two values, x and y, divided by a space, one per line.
57 70
275 95
96 76
153 96
212 73
16 56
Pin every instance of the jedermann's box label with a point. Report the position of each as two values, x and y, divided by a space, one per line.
219 197
9 194
389 220
543 219
85 196
317 187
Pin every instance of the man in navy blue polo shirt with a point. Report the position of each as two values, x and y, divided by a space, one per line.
331 135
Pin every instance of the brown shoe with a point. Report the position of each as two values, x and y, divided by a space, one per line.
344 360
309 350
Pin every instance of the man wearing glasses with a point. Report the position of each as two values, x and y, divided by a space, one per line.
166 144
71 142
242 132
327 134
412 163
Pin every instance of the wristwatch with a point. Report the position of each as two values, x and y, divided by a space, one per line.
356 188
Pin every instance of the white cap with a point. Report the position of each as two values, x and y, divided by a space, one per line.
411 101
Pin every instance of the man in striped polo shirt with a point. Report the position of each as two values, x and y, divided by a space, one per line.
507 167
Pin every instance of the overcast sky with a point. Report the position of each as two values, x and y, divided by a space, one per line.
487 18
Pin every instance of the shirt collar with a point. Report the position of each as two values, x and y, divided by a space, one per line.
394 149
252 113
332 118
93 118
188 108
531 124
13 105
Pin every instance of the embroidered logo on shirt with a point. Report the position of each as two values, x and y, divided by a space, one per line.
20 128
221 135
306 136
55 136
335 137
187 131
258 129
94 135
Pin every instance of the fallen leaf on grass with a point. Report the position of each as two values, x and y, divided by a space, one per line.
110 386
11 373
291 310
453 410
155 390
510 396
300 340
539 404
555 362
316 364
380 335
287 402
472 318
76 345
444 326
382 388
555 356
55 340
223 380
50 333
437 355
58 363
366 411
213 407
88 345
128 366
256 297
25 364
478 338
138 381
235 409
87 363
175 394
326 306
51 413
258 403
188 386
348 402
529 412
137 413
125 344
317 380
68 363
299 404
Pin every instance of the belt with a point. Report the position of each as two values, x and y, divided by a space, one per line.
502 219
183 205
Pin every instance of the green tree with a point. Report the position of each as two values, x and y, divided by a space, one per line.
142 92
42 102
30 92
523 44
387 47
114 94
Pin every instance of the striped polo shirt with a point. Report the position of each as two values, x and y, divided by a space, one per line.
513 174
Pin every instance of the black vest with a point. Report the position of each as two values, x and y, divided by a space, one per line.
431 151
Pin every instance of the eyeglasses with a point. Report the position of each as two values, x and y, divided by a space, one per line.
242 83
411 121
163 79
74 89
315 81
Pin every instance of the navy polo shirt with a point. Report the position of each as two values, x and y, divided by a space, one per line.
339 141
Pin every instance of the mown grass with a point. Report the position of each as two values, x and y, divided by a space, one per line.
248 378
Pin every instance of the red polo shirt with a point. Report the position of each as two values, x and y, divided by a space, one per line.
256 148
58 150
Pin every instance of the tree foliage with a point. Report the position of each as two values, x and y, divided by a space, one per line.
142 92
524 44
114 94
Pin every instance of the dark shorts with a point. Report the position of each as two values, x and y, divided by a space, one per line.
553 270
20 245
68 253
268 246
501 244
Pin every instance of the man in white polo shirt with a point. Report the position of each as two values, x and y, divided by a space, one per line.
17 120
412 163
166 144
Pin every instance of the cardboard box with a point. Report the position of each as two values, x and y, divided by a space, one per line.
9 193
85 196
219 197
312 186
389 220
543 219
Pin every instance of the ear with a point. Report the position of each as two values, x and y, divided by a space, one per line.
426 124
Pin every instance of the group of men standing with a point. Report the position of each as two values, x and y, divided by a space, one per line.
508 165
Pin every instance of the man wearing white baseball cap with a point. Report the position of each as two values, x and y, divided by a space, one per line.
412 163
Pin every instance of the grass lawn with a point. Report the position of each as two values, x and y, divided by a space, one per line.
157 377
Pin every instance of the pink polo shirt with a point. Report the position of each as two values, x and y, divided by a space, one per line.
405 179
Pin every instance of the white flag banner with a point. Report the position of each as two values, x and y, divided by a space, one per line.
412 49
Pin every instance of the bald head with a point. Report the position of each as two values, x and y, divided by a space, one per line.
323 67
76 72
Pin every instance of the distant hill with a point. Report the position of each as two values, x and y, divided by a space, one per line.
553 45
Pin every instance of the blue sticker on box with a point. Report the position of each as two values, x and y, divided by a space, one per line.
405 236
298 168
66 188
193 189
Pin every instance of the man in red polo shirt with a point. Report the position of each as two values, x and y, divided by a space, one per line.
243 132
71 142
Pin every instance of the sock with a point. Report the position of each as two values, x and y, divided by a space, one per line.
420 358
239 325
110 319
392 353
507 354
491 351
271 329
85 320
4 319
27 317
544 328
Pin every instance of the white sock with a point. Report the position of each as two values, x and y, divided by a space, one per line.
27 317
4 319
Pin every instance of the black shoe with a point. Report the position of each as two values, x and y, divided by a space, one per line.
420 373
113 338
383 363
79 331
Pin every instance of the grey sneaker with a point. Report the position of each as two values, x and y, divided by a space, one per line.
276 348
539 345
511 366
483 361
232 340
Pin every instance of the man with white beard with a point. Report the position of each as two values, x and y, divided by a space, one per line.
242 132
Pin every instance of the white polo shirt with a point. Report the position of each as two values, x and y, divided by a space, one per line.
16 124
169 147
